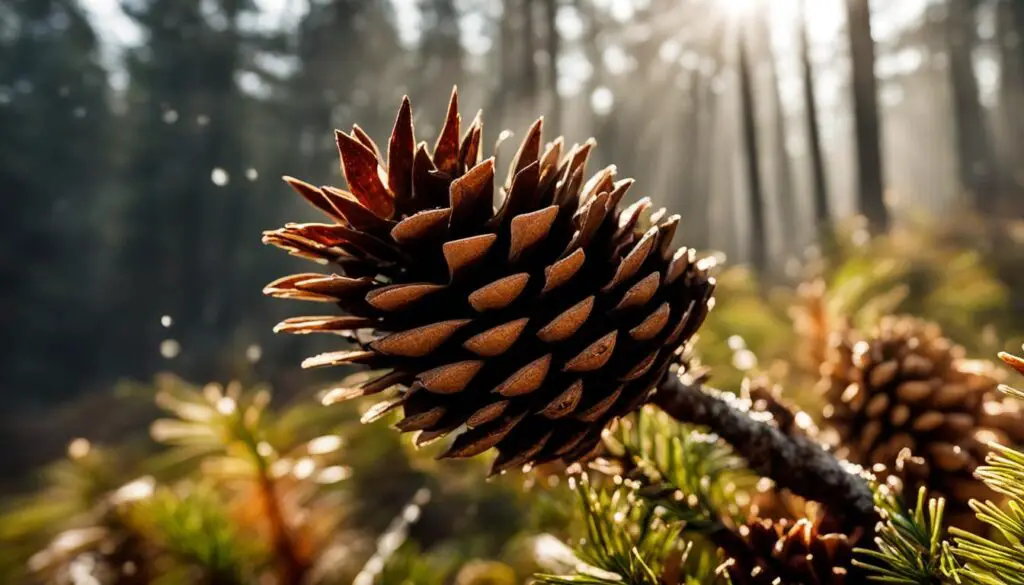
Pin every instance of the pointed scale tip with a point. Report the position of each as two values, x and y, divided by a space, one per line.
1012 361
303 188
453 101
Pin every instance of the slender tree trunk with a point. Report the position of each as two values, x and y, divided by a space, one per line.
1017 12
1010 24
819 183
530 79
554 122
602 127
506 64
870 187
975 161
755 189
783 174
694 175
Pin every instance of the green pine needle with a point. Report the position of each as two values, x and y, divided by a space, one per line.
626 541
909 545
694 476
984 561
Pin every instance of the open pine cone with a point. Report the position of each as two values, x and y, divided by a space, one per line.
791 553
531 321
813 325
906 399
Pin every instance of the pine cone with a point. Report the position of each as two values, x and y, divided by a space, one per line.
784 552
907 400
813 325
532 324
767 397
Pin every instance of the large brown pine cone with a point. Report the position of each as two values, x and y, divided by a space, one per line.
532 320
905 399
786 552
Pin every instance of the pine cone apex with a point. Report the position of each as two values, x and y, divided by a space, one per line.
527 321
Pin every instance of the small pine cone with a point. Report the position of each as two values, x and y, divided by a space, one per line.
773 552
907 400
532 323
766 397
813 325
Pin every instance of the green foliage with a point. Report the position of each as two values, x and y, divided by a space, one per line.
912 547
673 490
71 501
625 539
694 476
628 539
193 527
986 561
909 547
410 565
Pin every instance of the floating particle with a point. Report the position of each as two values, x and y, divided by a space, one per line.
170 348
79 448
253 353
219 177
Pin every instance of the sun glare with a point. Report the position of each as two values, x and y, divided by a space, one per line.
739 8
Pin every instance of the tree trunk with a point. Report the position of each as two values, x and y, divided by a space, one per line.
530 83
554 121
694 174
755 189
976 165
1010 24
602 127
498 103
819 183
870 187
1017 13
783 172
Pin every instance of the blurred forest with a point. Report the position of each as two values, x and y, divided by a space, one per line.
143 144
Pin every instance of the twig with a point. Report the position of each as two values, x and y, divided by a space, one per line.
291 567
793 462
